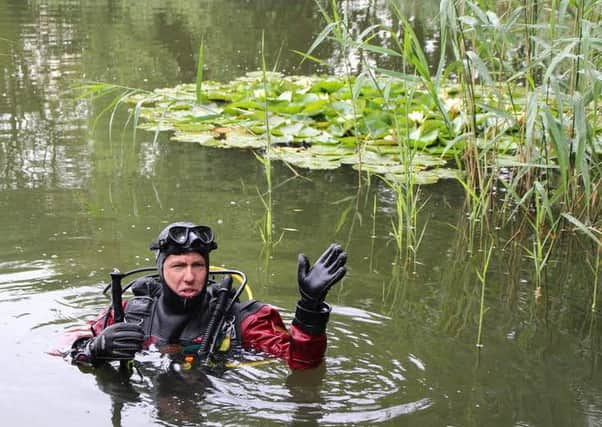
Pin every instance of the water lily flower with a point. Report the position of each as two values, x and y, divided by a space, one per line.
416 116
453 105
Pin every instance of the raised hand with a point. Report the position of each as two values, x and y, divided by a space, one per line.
316 281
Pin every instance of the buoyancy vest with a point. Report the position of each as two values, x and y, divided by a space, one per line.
163 325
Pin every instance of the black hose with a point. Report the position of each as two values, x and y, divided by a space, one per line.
118 313
216 320
116 292
129 273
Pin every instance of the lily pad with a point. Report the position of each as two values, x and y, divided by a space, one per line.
424 177
319 123
234 138
305 158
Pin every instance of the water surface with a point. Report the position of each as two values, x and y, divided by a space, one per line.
78 200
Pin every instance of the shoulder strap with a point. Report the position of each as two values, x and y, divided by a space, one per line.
139 310
146 285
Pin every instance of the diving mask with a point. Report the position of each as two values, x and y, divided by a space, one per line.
185 236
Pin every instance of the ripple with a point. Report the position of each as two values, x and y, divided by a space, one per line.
21 278
378 415
369 387
365 379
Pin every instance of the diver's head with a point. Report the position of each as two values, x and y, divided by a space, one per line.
182 257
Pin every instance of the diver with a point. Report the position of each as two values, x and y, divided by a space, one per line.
177 307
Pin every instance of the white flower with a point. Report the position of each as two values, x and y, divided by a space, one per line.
453 105
416 117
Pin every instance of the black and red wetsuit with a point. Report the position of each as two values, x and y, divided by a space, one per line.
168 319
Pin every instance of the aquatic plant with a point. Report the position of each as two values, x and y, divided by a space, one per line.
265 229
544 227
508 94
199 73
548 74
339 28
482 275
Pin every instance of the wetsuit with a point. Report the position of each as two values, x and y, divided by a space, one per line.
168 319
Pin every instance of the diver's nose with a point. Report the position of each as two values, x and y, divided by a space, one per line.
189 274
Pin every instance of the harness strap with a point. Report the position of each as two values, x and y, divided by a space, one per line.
139 309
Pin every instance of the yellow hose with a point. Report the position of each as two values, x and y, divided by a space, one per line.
238 278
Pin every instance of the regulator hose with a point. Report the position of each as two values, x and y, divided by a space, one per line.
216 321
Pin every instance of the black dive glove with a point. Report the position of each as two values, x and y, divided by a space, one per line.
120 341
314 283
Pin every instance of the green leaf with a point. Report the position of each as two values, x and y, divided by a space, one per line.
320 38
480 67
327 85
380 50
560 143
583 228
316 107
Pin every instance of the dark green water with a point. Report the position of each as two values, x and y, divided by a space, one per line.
76 202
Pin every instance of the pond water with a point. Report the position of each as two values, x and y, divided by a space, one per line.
77 200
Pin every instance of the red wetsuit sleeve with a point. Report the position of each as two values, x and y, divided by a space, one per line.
264 331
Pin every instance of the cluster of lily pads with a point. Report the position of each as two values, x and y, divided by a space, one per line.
390 127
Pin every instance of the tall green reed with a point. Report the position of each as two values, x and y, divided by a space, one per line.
266 226
482 275
453 32
339 31
356 43
545 227
408 200
548 73
548 78
199 73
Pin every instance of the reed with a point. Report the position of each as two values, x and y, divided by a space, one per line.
548 71
338 31
482 275
266 226
544 229
199 73
118 97
453 31
550 75
408 199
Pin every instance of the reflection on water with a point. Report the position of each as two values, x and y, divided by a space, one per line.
41 129
35 271
48 48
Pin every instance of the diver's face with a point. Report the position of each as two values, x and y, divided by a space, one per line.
185 274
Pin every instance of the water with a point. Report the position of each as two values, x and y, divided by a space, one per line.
76 202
